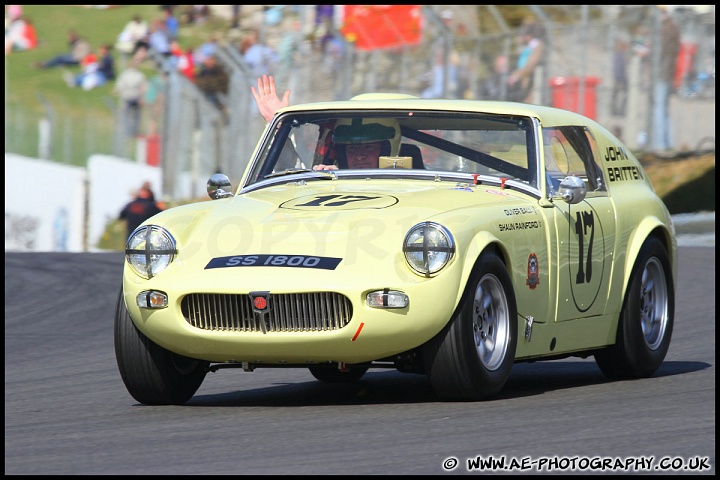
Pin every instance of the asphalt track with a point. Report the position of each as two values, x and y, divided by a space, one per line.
67 410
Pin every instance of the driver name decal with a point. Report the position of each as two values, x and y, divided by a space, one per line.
293 261
617 174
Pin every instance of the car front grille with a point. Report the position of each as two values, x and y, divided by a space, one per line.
292 312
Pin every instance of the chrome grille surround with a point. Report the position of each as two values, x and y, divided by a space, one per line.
288 312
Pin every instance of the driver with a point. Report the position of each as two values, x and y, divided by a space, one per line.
359 142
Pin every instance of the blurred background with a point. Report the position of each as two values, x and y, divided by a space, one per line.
636 69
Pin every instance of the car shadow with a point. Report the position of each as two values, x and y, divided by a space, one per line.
393 387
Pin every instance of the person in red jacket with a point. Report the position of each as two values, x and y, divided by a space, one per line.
142 207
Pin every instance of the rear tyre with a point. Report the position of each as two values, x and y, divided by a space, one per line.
332 374
471 358
153 375
646 320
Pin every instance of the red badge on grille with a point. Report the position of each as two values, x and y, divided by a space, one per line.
260 303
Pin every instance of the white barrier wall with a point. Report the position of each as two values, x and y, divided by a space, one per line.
45 202
44 205
112 181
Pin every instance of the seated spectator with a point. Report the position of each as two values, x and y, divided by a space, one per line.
183 60
213 81
159 40
172 26
96 70
79 49
132 36
20 35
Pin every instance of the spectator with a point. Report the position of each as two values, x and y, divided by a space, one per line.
287 47
206 49
213 81
97 70
79 49
172 26
493 87
131 87
260 57
235 20
14 12
20 35
133 36
620 78
183 60
142 207
521 80
154 100
663 89
159 40
442 83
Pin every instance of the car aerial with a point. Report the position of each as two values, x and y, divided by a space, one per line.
488 233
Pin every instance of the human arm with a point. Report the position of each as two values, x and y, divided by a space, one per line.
532 61
267 99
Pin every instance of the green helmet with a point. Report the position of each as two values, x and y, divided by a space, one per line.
368 130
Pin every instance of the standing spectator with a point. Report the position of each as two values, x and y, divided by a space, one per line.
97 70
520 81
131 87
213 81
142 207
620 78
493 86
261 58
79 49
132 36
235 21
444 79
663 89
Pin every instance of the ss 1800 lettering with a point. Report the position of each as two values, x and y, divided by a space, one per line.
293 261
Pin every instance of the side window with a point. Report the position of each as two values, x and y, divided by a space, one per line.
571 151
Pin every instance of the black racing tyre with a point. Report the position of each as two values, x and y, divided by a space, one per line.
332 374
471 358
646 320
153 375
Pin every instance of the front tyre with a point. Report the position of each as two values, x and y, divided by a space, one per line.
646 320
471 358
153 375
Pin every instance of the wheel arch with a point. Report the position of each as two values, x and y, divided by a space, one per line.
482 242
649 227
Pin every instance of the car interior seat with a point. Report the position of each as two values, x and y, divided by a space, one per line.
412 150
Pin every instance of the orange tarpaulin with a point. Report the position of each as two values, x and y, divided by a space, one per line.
382 26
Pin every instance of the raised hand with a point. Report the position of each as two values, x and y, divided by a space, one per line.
267 99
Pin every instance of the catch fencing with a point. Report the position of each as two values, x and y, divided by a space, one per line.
194 139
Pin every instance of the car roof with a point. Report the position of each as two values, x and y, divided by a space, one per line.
549 116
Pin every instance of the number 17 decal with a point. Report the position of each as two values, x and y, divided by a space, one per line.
584 221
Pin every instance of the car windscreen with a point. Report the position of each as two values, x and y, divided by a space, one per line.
411 142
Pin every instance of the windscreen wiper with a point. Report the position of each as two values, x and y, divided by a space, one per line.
329 174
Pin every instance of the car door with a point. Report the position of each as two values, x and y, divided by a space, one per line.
585 231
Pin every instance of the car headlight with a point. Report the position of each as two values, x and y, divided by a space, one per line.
428 247
149 250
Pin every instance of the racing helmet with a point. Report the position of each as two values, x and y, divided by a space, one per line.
368 130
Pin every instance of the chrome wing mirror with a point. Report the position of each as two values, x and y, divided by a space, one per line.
219 186
572 189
